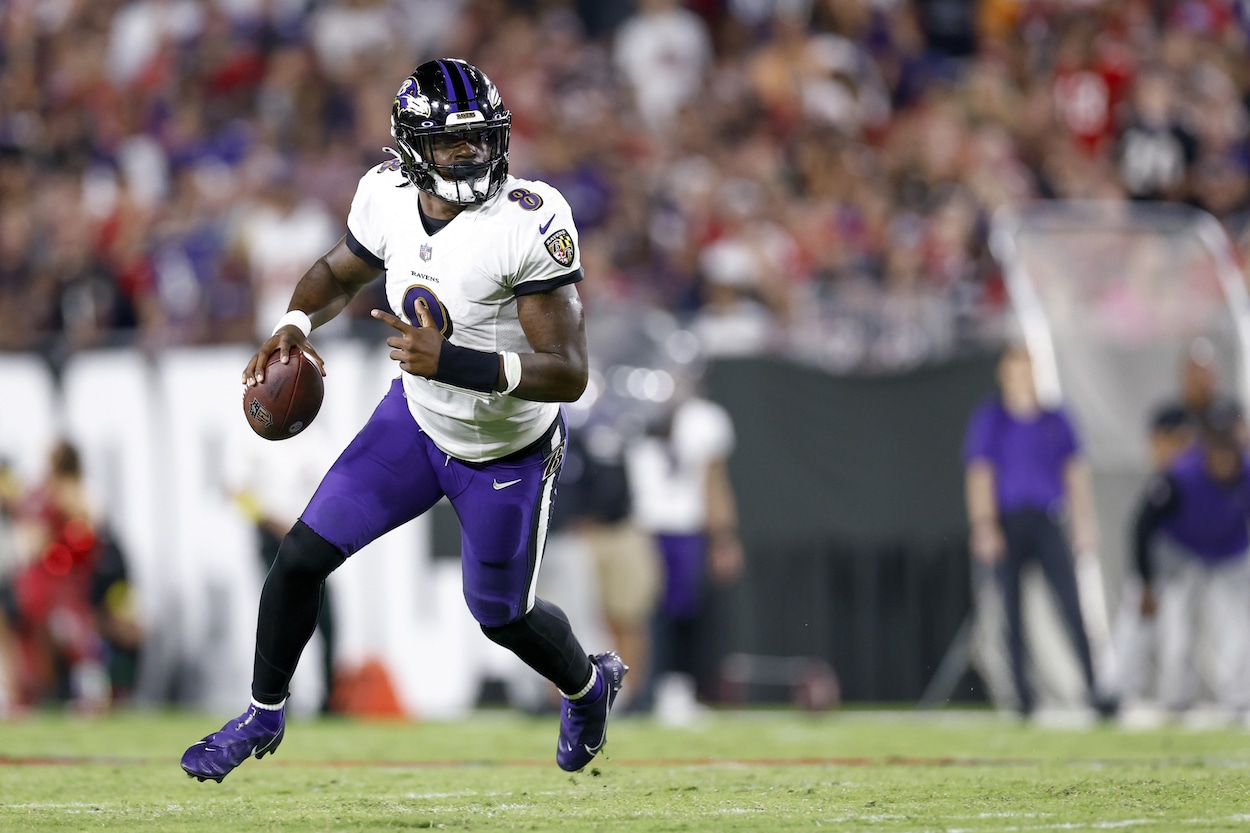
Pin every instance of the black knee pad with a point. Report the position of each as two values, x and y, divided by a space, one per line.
306 553
543 640
544 623
516 633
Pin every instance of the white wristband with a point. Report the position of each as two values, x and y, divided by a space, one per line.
511 371
299 319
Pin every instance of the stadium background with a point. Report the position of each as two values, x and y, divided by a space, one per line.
808 186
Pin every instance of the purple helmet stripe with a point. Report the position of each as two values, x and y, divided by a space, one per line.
451 88
468 85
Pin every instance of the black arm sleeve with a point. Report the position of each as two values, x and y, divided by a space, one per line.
1158 504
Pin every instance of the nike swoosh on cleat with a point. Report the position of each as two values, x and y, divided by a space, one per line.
543 228
597 746
499 485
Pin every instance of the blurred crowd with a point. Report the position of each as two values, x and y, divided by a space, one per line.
812 177
69 632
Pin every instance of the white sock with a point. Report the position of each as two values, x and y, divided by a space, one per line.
594 673
270 707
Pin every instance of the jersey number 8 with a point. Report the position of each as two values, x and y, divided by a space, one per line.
437 311
526 199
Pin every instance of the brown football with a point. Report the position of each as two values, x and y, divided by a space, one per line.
288 400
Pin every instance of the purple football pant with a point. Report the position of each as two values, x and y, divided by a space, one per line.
683 557
392 472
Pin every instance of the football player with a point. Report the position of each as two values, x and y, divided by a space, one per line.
481 272
1191 548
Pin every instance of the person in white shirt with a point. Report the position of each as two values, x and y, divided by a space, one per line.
682 495
670 37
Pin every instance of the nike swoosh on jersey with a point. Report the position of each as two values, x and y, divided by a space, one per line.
499 485
543 228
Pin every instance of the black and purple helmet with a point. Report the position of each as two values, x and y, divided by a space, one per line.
449 97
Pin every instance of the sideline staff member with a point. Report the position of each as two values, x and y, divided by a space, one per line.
1023 471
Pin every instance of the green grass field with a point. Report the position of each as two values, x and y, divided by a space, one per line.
844 771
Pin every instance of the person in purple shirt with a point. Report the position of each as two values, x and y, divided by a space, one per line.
1024 475
1190 546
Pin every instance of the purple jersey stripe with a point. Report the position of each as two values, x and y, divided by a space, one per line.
451 88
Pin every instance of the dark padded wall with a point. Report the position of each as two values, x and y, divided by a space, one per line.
850 493
871 459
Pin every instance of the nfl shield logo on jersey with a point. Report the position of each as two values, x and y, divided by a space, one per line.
560 247
426 252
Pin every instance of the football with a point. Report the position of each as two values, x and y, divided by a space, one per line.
288 400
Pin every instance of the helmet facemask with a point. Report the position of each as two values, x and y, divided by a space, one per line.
467 182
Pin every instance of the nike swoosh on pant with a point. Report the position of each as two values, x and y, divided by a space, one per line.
499 485
543 228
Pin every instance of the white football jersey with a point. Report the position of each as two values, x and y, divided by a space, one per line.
469 273
668 477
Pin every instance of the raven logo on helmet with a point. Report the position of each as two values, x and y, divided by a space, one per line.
410 100
441 104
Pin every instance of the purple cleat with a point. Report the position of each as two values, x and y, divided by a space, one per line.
255 732
583 724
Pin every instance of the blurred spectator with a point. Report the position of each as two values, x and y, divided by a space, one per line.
306 230
70 604
662 53
821 78
1024 472
345 33
1155 148
949 26
682 495
1192 551
743 272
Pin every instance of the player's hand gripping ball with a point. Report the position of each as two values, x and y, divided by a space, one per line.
289 398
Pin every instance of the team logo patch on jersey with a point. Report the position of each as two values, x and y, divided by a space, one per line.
426 251
560 247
